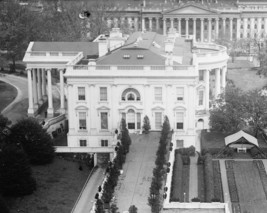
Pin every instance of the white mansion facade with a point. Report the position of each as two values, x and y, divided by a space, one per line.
149 74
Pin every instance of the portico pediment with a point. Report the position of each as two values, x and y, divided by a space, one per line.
190 10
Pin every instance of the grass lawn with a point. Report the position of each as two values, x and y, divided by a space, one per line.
211 140
58 187
250 189
244 76
7 94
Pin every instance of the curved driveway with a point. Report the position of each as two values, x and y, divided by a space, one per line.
18 108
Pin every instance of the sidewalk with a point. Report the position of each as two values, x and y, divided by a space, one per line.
87 198
193 178
225 184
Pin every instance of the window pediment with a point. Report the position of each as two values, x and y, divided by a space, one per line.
179 108
81 108
158 108
102 108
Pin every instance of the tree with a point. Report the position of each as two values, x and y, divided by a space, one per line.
35 141
239 110
3 206
114 208
4 122
146 124
15 172
133 209
18 27
99 206
228 111
256 115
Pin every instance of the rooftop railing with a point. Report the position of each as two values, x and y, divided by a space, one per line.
51 53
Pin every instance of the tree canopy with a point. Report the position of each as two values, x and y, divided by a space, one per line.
35 141
239 110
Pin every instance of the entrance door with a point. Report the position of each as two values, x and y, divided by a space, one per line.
131 119
200 124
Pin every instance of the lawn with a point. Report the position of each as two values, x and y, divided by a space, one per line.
212 140
249 187
58 187
244 76
7 94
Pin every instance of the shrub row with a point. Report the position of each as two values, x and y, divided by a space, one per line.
113 169
190 151
159 171
208 178
231 181
218 191
177 175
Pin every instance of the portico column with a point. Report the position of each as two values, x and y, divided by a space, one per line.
171 22
224 70
35 95
231 29
150 24
109 22
44 85
62 100
259 28
217 28
207 89
136 23
30 108
202 29
223 19
164 26
245 23
50 109
186 27
129 20
238 28
115 22
157 23
143 24
209 39
39 90
217 83
179 26
252 23
122 21
194 28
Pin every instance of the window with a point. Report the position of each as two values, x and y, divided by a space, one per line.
158 94
140 56
130 94
104 120
248 26
81 93
262 26
138 120
241 26
131 119
126 56
180 93
255 26
158 120
130 97
83 143
104 142
103 94
201 75
179 120
200 97
82 120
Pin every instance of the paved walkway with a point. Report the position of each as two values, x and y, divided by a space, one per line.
87 198
133 186
225 184
193 178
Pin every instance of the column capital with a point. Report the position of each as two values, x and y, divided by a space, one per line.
223 18
187 19
202 19
150 18
194 18
231 18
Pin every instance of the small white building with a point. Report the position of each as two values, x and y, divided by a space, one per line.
147 74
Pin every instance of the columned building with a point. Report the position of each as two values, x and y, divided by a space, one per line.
207 20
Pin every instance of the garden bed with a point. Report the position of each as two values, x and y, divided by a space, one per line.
201 185
58 187
218 191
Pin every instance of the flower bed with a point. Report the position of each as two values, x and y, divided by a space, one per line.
218 191
208 174
201 185
177 177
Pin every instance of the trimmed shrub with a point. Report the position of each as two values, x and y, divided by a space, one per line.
195 199
215 199
186 159
177 177
187 151
208 174
200 160
146 125
255 153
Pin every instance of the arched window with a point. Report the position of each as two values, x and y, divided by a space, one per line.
130 94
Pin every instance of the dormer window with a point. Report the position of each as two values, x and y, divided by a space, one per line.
126 56
140 56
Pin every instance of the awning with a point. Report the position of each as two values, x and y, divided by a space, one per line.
235 138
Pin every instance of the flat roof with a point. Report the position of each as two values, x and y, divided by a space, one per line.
88 48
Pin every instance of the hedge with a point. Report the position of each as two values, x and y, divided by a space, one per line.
187 151
177 177
208 174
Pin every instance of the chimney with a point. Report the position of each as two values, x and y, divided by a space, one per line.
102 47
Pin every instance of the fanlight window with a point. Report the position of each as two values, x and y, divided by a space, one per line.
130 94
